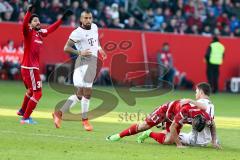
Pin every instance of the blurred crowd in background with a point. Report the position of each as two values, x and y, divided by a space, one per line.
203 17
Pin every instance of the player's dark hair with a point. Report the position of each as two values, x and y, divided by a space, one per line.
33 16
165 44
205 87
198 123
87 11
215 39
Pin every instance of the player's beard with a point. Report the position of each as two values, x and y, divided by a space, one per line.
37 28
87 26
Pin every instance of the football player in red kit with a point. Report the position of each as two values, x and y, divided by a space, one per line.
33 40
165 113
187 115
159 115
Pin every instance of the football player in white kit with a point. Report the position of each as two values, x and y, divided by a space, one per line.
85 39
208 134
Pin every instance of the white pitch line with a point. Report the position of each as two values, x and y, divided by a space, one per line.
39 134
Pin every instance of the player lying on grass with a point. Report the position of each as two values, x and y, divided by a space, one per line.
164 113
194 138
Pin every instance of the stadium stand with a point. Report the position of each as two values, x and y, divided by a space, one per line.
220 17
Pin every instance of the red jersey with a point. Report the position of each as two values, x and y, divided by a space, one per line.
33 41
163 113
187 113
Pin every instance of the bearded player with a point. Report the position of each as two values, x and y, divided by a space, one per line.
85 39
33 41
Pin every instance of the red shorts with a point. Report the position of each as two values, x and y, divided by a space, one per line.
157 116
168 124
31 79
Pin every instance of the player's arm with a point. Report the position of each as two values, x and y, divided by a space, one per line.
68 48
174 134
199 105
26 20
101 51
55 25
214 135
51 28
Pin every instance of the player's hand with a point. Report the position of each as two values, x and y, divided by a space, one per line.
85 53
104 55
181 146
31 7
184 101
66 14
216 146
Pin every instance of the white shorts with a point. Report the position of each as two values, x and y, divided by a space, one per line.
193 139
85 72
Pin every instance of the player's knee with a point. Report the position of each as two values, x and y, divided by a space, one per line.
87 96
143 127
79 97
37 95
29 92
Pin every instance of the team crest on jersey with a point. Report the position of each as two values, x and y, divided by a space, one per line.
38 41
43 30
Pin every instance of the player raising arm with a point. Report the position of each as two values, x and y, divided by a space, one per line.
33 41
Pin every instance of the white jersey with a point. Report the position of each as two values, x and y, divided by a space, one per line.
204 137
200 138
85 67
86 39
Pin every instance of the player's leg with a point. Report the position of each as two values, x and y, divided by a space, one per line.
156 117
161 137
88 71
70 102
132 130
26 99
185 138
87 92
73 99
35 84
28 94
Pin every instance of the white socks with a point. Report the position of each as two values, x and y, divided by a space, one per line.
85 105
71 101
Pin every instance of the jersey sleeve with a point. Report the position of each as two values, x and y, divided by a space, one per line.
25 23
51 28
209 105
75 36
181 116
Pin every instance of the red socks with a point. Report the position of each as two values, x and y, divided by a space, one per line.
30 107
129 131
159 137
25 102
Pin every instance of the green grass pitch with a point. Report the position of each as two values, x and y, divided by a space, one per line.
71 142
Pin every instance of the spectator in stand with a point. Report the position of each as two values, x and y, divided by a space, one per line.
165 61
11 64
207 31
179 16
116 24
9 48
131 24
20 49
